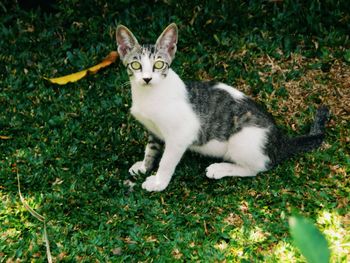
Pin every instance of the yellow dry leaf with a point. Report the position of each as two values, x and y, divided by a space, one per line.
111 58
68 78
2 137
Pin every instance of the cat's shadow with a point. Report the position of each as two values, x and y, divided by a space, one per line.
191 176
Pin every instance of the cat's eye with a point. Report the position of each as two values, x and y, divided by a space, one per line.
135 65
159 64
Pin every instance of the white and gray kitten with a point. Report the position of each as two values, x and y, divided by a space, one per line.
210 118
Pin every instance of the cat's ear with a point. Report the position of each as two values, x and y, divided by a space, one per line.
168 40
126 40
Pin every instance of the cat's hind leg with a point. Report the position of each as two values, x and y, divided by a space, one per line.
245 154
220 170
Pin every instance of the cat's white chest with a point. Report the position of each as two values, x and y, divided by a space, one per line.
153 108
147 120
164 110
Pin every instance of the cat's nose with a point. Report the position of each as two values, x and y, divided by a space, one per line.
147 80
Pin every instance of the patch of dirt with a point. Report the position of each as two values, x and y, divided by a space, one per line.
313 88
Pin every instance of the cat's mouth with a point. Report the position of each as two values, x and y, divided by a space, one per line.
149 84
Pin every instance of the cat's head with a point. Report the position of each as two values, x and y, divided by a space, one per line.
147 64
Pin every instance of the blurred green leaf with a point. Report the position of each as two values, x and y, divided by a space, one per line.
309 240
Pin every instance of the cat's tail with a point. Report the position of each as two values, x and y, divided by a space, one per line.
292 146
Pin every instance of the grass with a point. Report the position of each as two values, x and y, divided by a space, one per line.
73 145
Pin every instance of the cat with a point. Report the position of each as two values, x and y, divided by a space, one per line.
209 118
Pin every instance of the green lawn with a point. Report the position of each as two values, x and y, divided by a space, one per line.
72 145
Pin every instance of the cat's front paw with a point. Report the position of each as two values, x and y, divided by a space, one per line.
138 168
154 184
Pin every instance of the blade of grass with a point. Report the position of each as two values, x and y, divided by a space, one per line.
37 216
